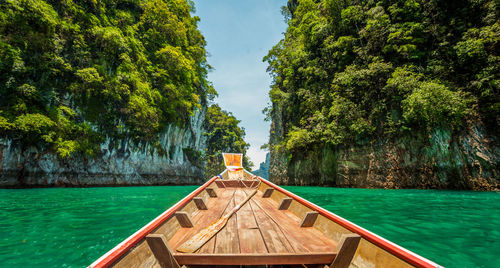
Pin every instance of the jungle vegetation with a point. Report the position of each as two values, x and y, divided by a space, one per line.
223 136
73 72
349 72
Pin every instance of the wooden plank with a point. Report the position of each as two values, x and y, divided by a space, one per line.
301 239
255 259
285 203
209 247
345 250
203 218
220 184
211 192
309 219
202 237
199 203
250 183
249 235
236 183
226 240
141 253
184 219
285 226
274 238
268 192
161 250
313 231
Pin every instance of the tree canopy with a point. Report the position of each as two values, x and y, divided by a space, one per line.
75 72
353 71
224 136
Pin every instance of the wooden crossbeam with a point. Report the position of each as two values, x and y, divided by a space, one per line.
198 201
158 244
267 193
255 258
211 192
309 219
184 219
220 184
285 203
346 249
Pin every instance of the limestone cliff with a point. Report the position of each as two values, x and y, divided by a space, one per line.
263 170
371 94
465 160
121 162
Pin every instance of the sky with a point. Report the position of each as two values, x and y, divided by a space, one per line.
239 33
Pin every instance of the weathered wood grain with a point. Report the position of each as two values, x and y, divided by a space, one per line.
184 219
274 238
309 219
301 239
250 238
161 250
345 250
203 219
211 192
200 204
226 240
220 184
285 203
268 192
256 258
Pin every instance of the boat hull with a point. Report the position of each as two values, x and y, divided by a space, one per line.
324 228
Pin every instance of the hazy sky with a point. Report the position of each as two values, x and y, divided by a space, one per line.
239 33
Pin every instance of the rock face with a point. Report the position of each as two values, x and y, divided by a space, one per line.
121 163
467 160
263 170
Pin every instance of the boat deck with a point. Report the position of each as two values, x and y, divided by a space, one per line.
259 227
275 228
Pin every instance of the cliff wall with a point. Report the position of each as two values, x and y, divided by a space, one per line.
263 170
378 94
121 162
442 160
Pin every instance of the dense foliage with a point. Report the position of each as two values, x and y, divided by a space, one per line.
75 72
351 71
224 136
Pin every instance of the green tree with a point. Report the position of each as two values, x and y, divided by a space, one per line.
75 72
223 136
348 72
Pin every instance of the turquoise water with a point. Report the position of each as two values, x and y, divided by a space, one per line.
71 227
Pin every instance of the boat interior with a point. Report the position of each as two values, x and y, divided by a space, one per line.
274 228
259 227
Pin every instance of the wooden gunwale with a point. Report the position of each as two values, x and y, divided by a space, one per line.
383 243
114 254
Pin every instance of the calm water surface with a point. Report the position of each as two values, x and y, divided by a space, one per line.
58 227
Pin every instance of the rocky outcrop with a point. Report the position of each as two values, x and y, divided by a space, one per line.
122 162
263 170
465 160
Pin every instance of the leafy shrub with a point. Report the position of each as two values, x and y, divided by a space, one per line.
433 104
33 123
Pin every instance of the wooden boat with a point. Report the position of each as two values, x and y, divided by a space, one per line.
275 227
